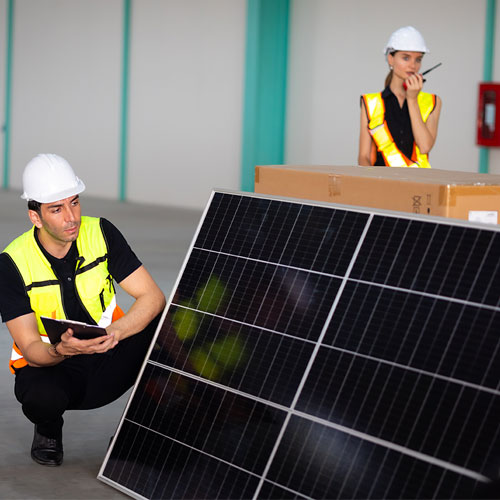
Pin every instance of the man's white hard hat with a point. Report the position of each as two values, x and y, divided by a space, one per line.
406 38
48 178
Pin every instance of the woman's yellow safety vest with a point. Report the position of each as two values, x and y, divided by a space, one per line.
93 282
382 137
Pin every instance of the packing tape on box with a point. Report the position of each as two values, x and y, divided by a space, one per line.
447 196
334 185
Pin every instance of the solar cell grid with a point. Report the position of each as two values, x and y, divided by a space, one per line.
215 426
257 293
314 351
435 336
250 360
407 408
275 232
436 259
326 463
156 467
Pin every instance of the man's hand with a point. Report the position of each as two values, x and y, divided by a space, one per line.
71 346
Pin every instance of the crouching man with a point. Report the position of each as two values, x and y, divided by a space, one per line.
65 267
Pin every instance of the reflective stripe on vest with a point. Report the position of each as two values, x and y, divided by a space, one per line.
379 130
94 284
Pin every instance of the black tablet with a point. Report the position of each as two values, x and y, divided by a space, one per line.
56 327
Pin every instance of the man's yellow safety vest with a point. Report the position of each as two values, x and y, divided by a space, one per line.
379 130
93 282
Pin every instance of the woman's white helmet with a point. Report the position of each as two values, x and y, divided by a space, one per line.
48 178
406 38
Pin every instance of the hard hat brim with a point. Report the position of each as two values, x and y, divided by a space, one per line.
61 195
389 50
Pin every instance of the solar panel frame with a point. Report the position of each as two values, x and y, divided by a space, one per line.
345 274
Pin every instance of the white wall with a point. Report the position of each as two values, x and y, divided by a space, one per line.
336 53
66 77
186 99
185 94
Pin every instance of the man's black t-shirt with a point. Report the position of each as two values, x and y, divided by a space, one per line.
399 123
14 301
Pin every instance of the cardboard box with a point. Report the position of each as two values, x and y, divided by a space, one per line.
461 195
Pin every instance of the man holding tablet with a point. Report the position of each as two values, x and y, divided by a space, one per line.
65 267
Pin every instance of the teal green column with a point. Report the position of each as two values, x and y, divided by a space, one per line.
489 46
8 94
264 110
124 105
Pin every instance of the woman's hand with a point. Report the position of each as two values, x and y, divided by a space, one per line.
414 85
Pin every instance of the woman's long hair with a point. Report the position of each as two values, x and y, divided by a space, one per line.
388 78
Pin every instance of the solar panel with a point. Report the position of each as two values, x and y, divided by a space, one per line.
313 350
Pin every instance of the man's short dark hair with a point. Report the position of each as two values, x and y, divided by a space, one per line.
35 205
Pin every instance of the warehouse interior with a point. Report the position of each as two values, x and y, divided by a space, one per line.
157 102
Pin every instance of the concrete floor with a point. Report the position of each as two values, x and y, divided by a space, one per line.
160 236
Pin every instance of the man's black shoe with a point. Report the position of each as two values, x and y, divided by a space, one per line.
46 451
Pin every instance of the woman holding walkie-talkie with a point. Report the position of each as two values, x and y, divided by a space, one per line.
399 125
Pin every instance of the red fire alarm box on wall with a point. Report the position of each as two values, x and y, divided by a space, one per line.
488 117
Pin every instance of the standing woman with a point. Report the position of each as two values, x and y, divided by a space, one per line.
399 125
